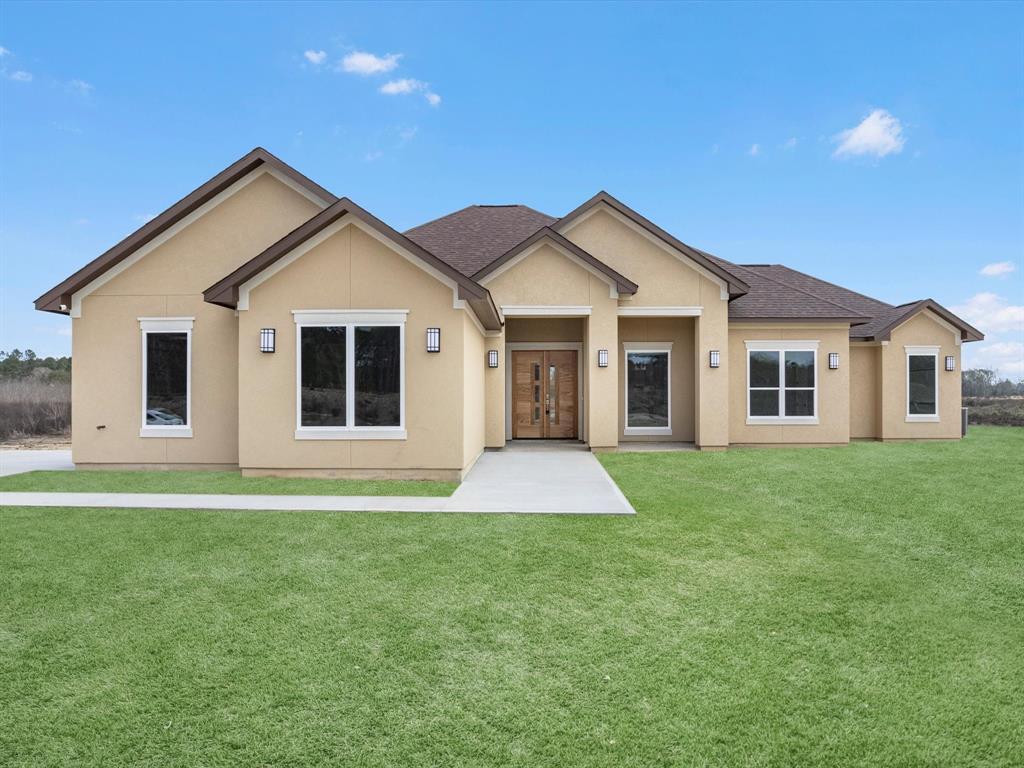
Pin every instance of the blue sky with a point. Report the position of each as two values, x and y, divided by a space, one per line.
877 146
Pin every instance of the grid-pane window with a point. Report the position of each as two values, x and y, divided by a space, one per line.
782 383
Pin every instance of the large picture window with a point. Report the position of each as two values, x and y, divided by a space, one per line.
648 404
166 377
350 375
782 382
922 383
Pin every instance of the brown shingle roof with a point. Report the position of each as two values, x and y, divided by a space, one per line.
472 238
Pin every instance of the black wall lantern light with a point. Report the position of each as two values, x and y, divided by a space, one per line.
602 358
433 339
715 358
950 363
492 358
833 361
267 339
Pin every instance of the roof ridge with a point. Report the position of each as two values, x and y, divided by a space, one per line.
836 285
808 293
442 216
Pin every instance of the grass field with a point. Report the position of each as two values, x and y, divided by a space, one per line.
848 606
104 481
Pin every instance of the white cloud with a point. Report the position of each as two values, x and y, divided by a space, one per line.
1005 357
406 135
755 150
402 87
142 218
998 269
714 149
81 87
376 154
21 76
790 144
879 134
4 52
362 63
315 57
64 330
433 99
991 313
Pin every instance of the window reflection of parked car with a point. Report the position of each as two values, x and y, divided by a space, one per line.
160 416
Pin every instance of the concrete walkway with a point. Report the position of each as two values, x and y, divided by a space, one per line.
524 481
16 462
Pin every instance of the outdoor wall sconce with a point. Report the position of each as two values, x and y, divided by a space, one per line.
267 339
833 361
602 358
492 358
433 339
715 358
950 363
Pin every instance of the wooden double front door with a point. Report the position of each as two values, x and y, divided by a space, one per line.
545 394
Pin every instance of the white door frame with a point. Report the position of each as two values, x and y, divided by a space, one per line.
544 346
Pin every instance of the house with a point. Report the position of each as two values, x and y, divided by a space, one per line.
263 323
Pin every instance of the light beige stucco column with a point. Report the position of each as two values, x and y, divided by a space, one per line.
602 390
711 385
494 394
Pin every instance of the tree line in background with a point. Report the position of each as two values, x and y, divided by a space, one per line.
35 395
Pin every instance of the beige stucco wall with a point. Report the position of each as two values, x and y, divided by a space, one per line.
541 329
864 390
474 390
168 282
352 270
923 329
680 332
494 395
833 386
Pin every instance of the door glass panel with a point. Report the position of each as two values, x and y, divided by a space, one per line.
552 388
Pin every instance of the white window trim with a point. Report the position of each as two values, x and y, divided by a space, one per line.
349 319
645 347
922 351
184 325
782 347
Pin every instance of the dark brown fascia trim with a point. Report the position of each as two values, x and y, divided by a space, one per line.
622 283
737 287
225 291
845 320
60 294
967 332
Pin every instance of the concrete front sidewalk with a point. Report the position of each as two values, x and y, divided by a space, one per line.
535 481
16 462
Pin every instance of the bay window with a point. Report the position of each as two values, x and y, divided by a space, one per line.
648 402
782 382
166 376
922 383
350 374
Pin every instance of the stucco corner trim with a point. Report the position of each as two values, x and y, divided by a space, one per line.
544 310
661 311
351 433
171 431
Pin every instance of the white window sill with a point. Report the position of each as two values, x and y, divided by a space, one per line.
926 417
804 420
165 432
647 431
350 433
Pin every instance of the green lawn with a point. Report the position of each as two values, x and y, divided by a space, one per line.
856 606
104 481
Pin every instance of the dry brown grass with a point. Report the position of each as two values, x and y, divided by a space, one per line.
34 406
